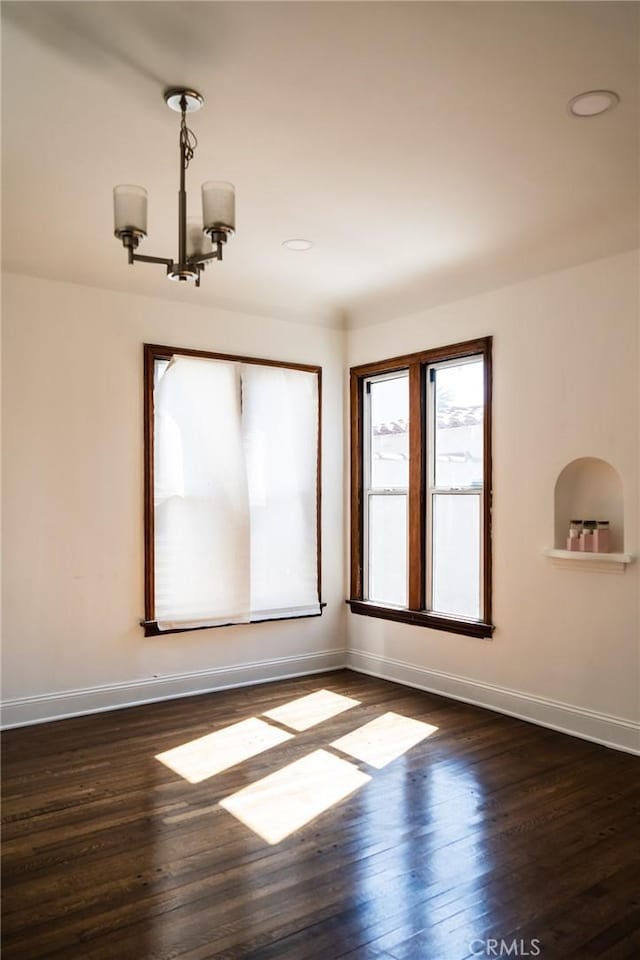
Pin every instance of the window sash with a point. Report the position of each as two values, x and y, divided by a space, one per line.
369 495
430 561
201 497
369 490
433 489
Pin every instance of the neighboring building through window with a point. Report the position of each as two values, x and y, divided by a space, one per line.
232 490
421 488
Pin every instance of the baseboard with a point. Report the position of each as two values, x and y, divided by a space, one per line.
23 711
601 728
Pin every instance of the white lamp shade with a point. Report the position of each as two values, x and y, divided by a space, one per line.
198 243
218 205
130 209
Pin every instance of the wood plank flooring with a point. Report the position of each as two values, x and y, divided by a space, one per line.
489 829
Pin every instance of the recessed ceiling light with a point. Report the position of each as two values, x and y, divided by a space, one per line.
593 102
297 244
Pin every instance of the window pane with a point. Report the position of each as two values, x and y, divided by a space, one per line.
459 415
388 549
280 433
390 432
201 508
456 554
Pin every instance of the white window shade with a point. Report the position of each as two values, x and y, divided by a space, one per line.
201 536
235 493
280 426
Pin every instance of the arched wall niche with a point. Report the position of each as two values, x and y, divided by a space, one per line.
589 489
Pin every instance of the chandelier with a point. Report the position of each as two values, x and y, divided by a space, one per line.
196 245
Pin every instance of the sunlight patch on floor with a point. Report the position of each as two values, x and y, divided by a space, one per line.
306 712
281 803
384 739
202 758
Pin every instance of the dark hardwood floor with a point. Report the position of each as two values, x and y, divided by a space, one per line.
487 832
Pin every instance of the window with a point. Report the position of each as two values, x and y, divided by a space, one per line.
232 498
421 488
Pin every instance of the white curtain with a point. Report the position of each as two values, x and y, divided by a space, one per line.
235 479
201 502
280 426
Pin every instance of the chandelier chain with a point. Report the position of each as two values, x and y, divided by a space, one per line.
188 141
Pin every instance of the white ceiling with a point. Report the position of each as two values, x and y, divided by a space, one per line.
425 148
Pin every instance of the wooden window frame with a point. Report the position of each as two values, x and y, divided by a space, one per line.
415 613
151 353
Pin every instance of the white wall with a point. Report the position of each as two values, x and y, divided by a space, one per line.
73 496
566 646
565 386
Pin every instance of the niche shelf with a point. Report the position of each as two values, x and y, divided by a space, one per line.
600 562
589 488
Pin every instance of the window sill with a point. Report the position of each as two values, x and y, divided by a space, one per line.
151 628
421 618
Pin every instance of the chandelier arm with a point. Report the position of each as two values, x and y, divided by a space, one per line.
133 257
203 257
